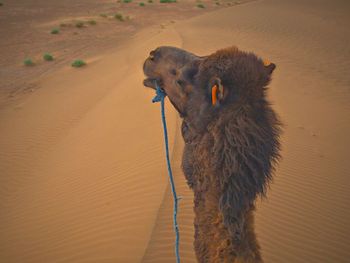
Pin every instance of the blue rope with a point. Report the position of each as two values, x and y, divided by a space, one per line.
160 96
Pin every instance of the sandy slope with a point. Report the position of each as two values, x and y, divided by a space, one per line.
82 169
81 163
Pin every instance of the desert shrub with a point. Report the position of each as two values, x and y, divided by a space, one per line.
55 31
201 6
142 4
28 62
79 24
103 15
92 22
127 1
119 17
150 1
78 63
47 57
167 1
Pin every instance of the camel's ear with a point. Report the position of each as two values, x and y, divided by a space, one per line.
269 66
217 91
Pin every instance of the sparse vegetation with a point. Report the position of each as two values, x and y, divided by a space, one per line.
79 24
119 17
217 3
200 6
167 1
47 57
150 1
78 63
142 4
127 1
92 22
104 15
28 62
55 31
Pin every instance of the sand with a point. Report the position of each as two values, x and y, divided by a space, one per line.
82 169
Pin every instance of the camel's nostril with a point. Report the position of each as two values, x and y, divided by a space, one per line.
151 55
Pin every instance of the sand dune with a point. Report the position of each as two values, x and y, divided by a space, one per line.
82 166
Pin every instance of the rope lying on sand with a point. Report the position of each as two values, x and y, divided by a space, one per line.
160 96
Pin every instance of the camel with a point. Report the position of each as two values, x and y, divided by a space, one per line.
231 137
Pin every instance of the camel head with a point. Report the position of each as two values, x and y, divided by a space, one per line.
168 66
202 86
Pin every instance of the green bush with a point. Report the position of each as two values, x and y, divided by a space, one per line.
119 17
167 1
79 24
92 22
28 62
78 63
55 31
127 1
142 4
47 57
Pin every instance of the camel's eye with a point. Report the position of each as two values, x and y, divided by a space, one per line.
182 85
180 82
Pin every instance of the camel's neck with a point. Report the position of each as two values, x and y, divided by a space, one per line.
196 126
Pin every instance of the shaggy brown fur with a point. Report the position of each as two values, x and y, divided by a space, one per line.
230 147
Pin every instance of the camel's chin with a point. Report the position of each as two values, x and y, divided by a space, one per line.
150 83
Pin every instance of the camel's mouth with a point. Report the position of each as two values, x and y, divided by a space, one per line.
151 83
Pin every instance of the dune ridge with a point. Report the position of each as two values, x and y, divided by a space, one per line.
161 245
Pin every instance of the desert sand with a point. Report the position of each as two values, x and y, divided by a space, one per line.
82 166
